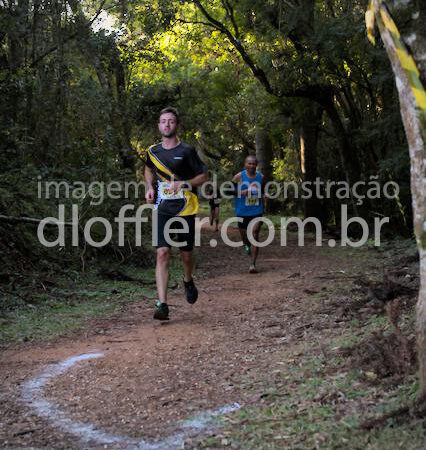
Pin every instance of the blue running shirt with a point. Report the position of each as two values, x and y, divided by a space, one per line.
252 203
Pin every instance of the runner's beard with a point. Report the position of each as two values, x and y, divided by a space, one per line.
169 135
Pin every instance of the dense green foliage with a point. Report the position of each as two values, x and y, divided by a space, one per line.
79 99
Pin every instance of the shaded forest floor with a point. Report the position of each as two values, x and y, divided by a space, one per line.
313 348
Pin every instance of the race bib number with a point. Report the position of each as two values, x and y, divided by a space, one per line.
165 193
252 201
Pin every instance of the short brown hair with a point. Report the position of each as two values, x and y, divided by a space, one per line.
170 110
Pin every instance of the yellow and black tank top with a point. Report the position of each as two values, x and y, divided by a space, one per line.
180 163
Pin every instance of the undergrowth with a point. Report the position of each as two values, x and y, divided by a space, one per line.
351 387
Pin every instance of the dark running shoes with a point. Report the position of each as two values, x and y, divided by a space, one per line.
161 311
252 268
191 292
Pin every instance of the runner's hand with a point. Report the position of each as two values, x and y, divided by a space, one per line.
149 196
176 186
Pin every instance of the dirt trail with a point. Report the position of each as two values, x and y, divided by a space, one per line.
222 350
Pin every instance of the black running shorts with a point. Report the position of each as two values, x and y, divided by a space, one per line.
188 238
246 220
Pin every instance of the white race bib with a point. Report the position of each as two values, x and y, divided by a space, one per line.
165 193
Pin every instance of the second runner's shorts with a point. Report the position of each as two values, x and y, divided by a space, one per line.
246 220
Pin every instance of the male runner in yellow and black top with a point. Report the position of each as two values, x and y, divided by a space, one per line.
173 170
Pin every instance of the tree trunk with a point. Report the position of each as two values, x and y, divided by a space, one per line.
264 155
264 152
128 155
414 119
348 153
308 156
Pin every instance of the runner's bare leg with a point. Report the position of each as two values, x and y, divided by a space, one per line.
216 218
188 264
243 234
255 249
162 273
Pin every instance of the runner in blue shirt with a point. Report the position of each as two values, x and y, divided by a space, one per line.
249 204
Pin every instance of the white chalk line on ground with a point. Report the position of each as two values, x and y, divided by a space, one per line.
33 396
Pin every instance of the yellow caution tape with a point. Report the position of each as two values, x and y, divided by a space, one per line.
407 61
420 96
388 22
377 10
369 21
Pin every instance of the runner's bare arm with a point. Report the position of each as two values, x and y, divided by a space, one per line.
198 180
236 180
193 182
150 180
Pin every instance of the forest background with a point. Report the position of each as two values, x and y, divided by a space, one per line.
297 83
